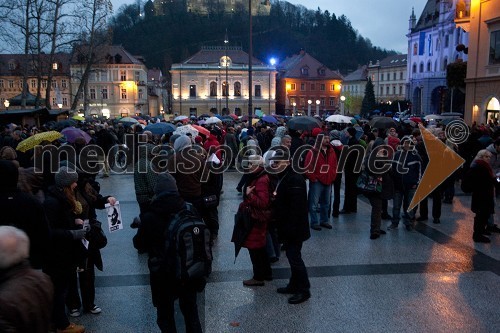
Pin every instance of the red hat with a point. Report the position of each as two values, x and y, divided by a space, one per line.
316 131
198 139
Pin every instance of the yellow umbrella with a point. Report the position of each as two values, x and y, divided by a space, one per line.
79 118
255 121
36 139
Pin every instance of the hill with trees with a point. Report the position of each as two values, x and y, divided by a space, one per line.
177 34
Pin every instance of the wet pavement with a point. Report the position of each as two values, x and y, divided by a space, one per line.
434 279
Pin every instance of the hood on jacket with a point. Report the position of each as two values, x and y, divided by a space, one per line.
280 131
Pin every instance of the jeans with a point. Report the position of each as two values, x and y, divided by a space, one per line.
403 197
299 280
376 215
87 288
436 196
319 201
189 308
261 266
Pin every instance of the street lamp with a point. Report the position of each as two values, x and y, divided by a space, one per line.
226 41
317 107
59 105
342 100
309 102
6 103
294 108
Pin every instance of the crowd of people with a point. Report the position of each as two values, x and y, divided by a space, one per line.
290 184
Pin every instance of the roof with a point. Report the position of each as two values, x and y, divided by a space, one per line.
394 61
24 112
361 74
430 15
154 74
213 54
109 54
292 67
13 64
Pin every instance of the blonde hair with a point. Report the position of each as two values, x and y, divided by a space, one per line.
482 153
14 246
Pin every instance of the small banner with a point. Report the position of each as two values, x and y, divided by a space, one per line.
114 217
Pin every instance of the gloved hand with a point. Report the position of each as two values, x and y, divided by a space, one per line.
77 234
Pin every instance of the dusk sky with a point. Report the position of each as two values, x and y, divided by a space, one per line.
384 22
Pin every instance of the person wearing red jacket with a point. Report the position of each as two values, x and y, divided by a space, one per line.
321 170
212 145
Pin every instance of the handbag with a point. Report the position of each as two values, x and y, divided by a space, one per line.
368 184
96 237
210 201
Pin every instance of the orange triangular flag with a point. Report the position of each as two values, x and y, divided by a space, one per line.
443 162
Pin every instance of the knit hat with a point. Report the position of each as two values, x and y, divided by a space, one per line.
65 177
351 131
335 135
316 131
10 175
182 142
166 185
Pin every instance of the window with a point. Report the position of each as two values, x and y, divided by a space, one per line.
322 101
54 84
213 89
302 101
12 65
394 90
302 86
394 76
387 90
332 87
322 87
137 76
429 66
123 75
64 83
55 66
141 94
44 84
381 90
65 101
322 72
292 100
237 89
415 49
401 90
21 84
446 41
313 86
421 69
1 83
445 64
104 93
332 101
225 89
258 92
192 90
494 48
11 83
304 71
33 84
54 101
293 86
124 93
92 93
401 75
382 77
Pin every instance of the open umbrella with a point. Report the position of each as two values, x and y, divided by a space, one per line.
269 119
36 139
72 133
128 120
186 129
232 115
202 130
160 128
180 118
304 123
416 119
59 125
339 119
382 122
212 120
78 118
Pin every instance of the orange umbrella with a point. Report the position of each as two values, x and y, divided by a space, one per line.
202 130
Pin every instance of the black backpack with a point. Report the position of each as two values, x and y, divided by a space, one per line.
187 244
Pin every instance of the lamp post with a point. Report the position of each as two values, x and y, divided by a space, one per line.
317 106
226 41
59 105
6 103
309 102
294 108
342 100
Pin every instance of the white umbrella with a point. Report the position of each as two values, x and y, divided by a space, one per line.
433 117
180 118
213 120
338 118
187 129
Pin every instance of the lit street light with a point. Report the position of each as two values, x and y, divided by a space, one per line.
317 107
6 103
294 108
342 100
309 102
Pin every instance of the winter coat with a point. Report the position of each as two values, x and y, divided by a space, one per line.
212 145
321 165
482 181
290 210
144 177
187 166
413 163
25 300
151 237
64 252
495 158
260 210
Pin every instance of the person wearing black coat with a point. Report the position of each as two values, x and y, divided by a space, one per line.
165 288
23 211
482 182
290 210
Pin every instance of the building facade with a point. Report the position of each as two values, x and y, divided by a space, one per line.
481 18
216 80
307 86
12 69
389 78
354 84
432 42
117 84
158 96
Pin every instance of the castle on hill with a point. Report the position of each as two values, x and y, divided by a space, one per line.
205 7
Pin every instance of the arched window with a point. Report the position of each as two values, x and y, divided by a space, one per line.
445 64
421 69
213 89
225 89
414 68
237 89
429 66
415 49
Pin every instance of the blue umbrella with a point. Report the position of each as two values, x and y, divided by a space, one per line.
160 128
376 111
269 119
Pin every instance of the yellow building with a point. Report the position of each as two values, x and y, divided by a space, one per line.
481 18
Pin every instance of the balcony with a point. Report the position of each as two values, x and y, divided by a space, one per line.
462 15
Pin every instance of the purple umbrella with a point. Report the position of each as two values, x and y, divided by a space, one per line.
72 133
